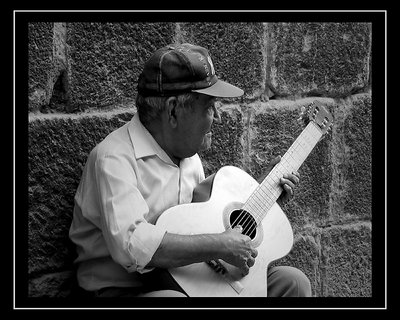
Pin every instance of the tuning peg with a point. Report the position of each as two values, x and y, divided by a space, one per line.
328 129
300 119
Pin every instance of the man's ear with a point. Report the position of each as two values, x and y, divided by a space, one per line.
171 110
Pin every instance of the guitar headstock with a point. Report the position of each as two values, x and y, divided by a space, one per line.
317 113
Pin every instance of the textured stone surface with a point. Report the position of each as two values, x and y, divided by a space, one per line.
99 63
351 194
106 59
40 63
52 285
347 261
329 59
336 259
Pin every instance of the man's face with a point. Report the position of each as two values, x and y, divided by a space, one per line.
194 127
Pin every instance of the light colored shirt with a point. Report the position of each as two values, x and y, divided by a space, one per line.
127 183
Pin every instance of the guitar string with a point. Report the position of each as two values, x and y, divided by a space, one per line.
295 149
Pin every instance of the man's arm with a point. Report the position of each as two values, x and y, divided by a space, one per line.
179 250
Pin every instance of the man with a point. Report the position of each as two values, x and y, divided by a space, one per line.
149 165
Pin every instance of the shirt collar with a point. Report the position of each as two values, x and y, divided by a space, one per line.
144 143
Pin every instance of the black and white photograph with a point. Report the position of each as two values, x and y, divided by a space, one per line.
199 157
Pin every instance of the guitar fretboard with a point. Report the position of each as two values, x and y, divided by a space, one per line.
266 194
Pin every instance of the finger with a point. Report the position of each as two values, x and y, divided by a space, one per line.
238 228
245 269
251 262
290 177
286 195
289 191
274 161
295 178
269 167
288 183
254 253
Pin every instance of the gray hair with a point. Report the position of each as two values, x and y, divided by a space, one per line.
151 108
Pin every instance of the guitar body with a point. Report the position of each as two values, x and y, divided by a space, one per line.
230 188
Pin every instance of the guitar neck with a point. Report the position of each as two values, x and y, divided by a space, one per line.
266 194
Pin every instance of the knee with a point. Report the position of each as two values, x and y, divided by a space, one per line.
302 283
174 294
289 282
163 294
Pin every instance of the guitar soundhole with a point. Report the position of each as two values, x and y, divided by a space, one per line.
244 219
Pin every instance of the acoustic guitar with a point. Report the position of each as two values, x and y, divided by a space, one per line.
232 197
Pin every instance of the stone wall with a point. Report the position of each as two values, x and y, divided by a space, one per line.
82 85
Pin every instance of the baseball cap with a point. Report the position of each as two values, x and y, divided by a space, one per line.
182 68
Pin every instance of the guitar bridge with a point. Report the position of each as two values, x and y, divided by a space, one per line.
218 267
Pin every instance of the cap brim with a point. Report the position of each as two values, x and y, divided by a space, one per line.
221 89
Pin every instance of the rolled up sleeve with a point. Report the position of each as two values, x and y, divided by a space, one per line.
131 240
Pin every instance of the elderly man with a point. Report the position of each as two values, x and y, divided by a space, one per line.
148 166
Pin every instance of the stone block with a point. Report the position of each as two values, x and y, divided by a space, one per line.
319 59
346 261
351 194
48 83
106 59
237 50
40 63
52 285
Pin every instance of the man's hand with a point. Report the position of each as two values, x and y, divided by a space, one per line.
238 249
288 182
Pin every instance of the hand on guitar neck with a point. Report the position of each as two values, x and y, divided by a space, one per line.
288 181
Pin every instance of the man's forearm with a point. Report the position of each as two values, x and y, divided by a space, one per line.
179 250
